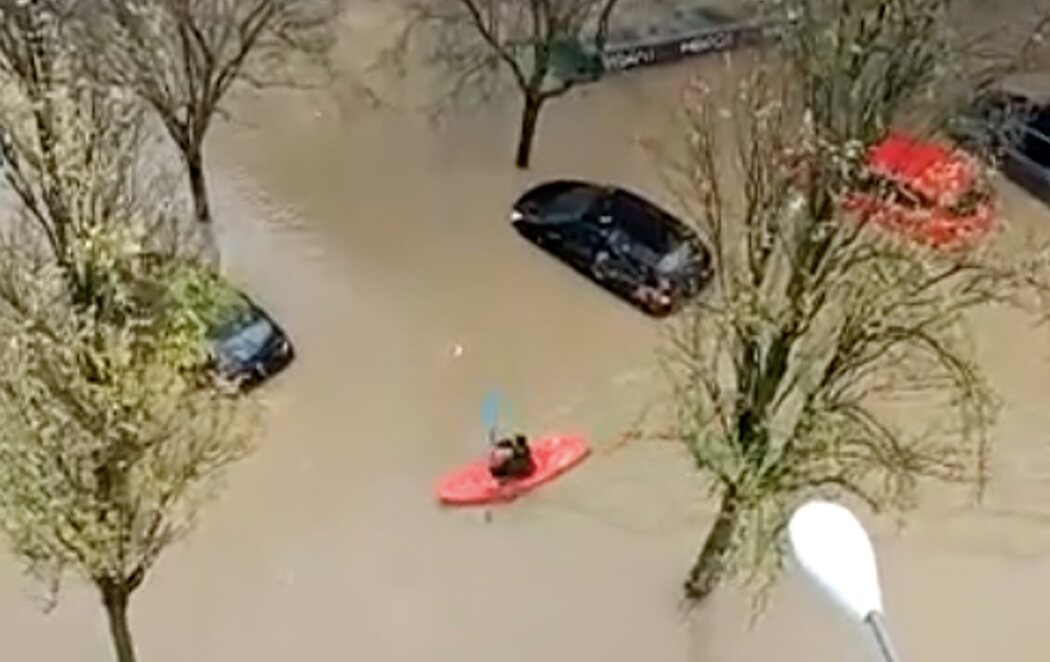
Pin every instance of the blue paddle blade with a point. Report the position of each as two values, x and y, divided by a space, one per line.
490 408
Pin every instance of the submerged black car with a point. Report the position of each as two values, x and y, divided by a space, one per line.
249 346
1011 122
622 241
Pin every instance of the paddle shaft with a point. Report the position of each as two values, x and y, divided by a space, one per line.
877 622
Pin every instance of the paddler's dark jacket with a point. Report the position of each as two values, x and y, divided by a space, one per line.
519 463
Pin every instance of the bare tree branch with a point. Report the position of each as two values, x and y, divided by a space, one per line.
789 377
182 57
477 44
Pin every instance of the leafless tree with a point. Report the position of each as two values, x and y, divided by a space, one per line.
831 356
481 43
182 58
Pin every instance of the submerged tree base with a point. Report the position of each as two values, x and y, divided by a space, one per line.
709 569
699 586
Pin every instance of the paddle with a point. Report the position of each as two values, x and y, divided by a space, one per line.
490 408
490 413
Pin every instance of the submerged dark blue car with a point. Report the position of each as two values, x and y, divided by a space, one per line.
250 347
1011 123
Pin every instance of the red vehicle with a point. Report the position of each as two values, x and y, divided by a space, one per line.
926 191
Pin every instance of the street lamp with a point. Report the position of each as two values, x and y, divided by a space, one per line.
835 551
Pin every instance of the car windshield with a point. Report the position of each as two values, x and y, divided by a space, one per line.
643 222
244 338
627 245
676 260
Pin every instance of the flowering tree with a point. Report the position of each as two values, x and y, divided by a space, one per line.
110 440
831 356
110 433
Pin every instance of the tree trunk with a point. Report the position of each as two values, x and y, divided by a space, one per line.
529 117
194 157
198 186
709 569
115 598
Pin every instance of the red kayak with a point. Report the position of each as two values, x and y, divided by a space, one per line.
474 485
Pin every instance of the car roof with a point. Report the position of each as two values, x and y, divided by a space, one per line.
560 185
933 170
561 201
649 222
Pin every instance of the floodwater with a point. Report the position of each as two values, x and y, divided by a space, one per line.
382 244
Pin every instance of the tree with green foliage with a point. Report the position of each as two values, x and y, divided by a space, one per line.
110 441
831 356
111 433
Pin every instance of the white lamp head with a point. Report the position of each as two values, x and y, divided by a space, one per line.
834 549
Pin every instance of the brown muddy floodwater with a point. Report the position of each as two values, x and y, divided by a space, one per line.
382 244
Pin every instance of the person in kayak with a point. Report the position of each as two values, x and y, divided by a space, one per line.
511 458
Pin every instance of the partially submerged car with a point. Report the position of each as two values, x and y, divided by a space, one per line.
1011 123
244 345
924 190
248 346
620 240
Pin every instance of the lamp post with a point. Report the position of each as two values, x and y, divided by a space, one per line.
835 551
